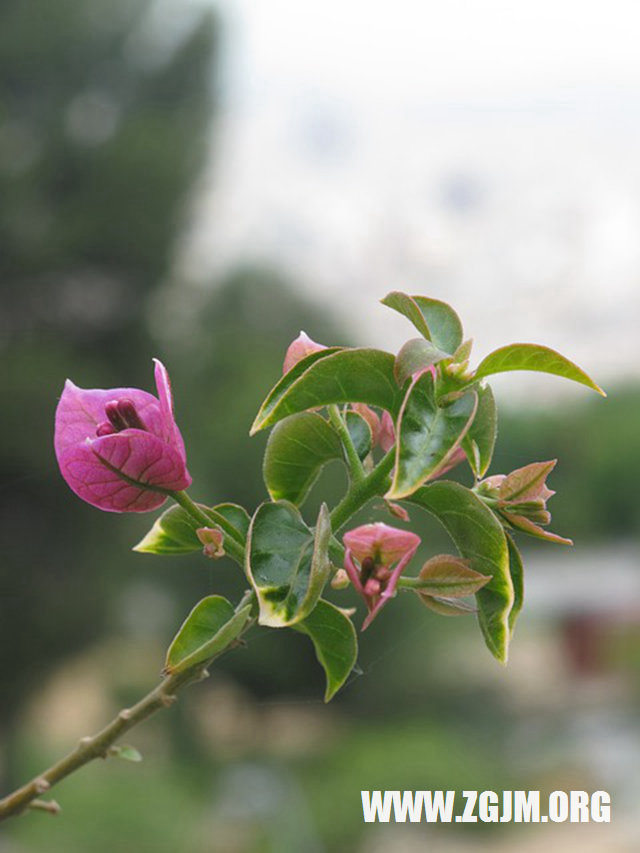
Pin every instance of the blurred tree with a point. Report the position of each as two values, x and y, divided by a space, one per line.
103 129
597 445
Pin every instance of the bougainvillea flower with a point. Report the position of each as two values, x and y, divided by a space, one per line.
375 557
119 449
298 349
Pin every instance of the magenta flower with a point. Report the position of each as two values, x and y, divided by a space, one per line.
381 552
120 449
298 349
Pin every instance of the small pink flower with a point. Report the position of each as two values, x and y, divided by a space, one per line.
298 349
381 552
213 541
120 449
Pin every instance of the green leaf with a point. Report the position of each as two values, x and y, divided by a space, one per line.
444 324
447 606
450 577
360 433
415 355
174 532
237 516
297 449
480 439
480 538
211 626
533 357
332 376
428 435
463 352
405 305
334 639
125 752
287 563
516 570
435 320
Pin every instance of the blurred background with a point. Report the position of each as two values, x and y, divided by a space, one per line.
200 180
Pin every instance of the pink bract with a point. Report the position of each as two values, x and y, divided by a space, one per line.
382 553
120 449
298 349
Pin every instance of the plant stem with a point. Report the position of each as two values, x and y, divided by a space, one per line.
355 465
206 517
375 483
98 745
416 583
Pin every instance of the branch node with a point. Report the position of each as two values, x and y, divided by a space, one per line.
41 785
167 699
85 741
125 715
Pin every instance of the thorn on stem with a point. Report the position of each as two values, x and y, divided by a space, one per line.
168 699
125 714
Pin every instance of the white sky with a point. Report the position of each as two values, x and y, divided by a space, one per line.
346 123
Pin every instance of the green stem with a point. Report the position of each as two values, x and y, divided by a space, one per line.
355 465
206 517
415 583
98 745
375 483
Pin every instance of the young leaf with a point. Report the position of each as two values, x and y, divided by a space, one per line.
450 577
479 537
360 433
288 565
533 357
415 355
428 435
444 324
516 571
125 752
174 532
463 352
297 449
210 627
332 376
435 320
526 525
527 483
405 305
334 639
480 439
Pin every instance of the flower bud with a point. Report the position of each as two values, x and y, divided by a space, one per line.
375 556
212 538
